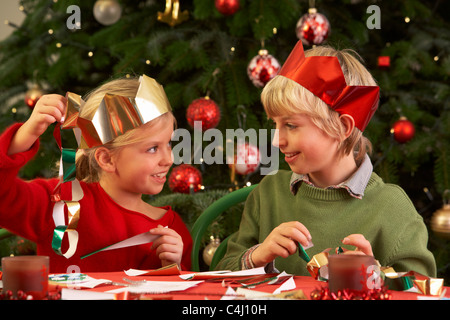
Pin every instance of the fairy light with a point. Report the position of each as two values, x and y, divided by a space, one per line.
407 19
11 24
50 31
436 58
90 54
59 45
148 62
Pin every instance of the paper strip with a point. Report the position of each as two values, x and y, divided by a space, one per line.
142 238
173 269
156 287
224 273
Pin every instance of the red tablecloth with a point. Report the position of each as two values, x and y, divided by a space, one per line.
215 290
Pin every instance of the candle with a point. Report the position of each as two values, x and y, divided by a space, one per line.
26 273
349 271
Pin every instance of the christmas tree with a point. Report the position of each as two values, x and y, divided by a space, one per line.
201 48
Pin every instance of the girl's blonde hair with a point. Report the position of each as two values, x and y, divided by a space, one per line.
87 167
283 96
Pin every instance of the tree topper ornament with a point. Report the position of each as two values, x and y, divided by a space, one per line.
172 15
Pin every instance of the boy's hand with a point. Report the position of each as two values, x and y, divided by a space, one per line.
49 109
281 242
362 245
169 246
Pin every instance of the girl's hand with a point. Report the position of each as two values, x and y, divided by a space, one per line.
281 242
49 109
362 245
169 246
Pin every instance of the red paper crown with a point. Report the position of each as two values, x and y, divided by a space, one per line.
322 75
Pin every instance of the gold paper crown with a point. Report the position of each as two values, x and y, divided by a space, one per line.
116 114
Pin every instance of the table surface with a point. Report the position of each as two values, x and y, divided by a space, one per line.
215 290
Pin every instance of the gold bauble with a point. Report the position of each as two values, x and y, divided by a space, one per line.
440 222
107 12
210 249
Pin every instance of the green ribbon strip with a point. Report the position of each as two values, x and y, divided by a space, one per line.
58 234
68 161
96 251
302 253
407 283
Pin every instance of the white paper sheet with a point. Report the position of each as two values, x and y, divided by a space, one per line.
286 286
72 294
230 294
157 287
74 281
225 273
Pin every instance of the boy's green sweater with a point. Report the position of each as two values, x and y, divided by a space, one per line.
385 216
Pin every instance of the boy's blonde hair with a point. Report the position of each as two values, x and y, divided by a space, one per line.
283 96
87 167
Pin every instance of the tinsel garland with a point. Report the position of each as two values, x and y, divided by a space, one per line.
324 293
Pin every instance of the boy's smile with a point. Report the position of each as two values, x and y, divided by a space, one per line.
290 157
308 149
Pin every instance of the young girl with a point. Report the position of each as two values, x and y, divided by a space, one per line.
320 105
112 175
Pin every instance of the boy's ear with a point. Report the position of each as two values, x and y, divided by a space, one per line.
348 123
104 159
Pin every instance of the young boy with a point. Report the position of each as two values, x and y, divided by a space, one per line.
320 105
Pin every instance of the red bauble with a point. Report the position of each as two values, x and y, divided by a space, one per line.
32 96
262 68
204 110
247 158
313 28
403 130
384 62
227 7
185 177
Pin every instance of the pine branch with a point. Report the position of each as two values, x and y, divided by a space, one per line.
442 168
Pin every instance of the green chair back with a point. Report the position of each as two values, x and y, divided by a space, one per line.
207 217
5 234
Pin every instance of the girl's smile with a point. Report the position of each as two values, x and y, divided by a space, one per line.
141 167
